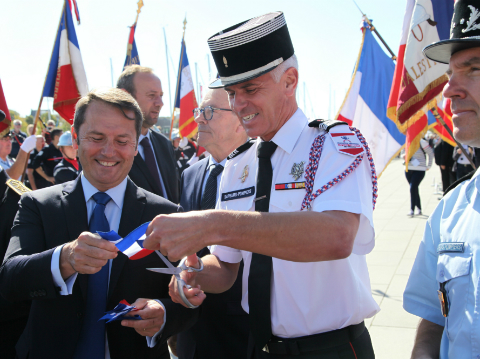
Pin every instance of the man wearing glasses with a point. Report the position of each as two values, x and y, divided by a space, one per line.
222 329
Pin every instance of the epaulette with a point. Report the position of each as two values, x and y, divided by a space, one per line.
241 149
17 186
326 125
459 181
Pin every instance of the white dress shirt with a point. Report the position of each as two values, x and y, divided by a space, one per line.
141 152
314 297
113 212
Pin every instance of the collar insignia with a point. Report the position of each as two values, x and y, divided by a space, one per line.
245 173
297 170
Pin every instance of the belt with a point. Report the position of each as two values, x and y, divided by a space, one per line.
297 346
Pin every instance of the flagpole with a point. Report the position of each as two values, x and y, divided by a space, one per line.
178 79
436 114
168 71
37 115
373 28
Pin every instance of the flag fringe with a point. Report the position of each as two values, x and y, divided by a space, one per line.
444 138
415 99
420 113
353 74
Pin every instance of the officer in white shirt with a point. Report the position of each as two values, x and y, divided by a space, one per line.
305 284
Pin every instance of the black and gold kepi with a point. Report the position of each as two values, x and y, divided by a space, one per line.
250 49
464 32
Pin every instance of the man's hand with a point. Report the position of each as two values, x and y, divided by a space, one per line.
179 235
443 167
152 314
86 255
194 295
51 179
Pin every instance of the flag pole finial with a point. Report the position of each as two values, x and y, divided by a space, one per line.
185 22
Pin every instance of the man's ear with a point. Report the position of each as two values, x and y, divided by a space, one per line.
290 79
74 138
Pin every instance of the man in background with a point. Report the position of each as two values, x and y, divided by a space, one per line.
46 160
154 166
222 330
17 138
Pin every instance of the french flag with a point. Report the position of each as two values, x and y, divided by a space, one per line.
66 80
185 97
132 245
365 104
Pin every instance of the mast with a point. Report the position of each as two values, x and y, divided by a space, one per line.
178 78
168 71
111 72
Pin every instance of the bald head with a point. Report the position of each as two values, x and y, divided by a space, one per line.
223 133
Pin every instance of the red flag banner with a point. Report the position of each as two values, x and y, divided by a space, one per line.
5 124
418 81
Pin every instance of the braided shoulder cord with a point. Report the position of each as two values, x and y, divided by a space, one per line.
311 170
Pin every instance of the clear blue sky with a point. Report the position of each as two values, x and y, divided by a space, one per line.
325 35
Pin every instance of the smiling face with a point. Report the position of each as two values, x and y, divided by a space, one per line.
107 145
463 90
262 105
148 93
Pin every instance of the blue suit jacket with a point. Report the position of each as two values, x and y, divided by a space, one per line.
222 329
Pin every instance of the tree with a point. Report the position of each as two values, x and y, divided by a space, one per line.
14 114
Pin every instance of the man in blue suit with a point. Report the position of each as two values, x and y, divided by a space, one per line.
223 327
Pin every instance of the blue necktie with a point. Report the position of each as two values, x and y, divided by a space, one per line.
91 344
210 191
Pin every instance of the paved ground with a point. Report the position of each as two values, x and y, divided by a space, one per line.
397 241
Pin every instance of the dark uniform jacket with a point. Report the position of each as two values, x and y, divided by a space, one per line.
223 327
17 140
65 171
40 182
48 158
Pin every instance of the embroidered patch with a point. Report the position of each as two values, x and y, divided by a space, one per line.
241 193
291 185
451 247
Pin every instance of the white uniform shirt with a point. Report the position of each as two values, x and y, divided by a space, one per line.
315 297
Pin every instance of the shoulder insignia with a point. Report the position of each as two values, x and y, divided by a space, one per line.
241 149
326 124
17 186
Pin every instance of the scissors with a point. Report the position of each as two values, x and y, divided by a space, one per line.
175 271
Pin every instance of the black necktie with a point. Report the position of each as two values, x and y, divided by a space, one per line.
261 265
210 192
91 342
150 161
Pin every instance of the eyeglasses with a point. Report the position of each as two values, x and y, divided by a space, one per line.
207 111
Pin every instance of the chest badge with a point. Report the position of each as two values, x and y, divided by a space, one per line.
297 170
245 173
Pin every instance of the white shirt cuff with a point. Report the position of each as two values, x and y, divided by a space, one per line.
65 286
152 341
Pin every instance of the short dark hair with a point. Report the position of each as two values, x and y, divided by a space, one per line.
113 97
55 132
126 78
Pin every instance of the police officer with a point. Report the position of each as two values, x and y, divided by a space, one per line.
443 288
69 168
306 284
18 137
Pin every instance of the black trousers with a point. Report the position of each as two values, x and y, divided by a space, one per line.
360 348
415 178
462 170
448 177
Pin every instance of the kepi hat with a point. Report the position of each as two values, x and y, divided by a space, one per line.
250 49
464 32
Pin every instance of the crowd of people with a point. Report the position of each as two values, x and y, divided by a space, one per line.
275 252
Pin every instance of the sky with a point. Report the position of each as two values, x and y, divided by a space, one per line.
326 37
